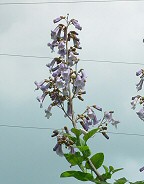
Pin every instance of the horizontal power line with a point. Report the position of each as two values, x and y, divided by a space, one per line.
91 60
26 127
66 2
26 56
47 128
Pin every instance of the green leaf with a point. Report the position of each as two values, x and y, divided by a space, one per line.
97 160
116 170
82 142
76 131
78 175
107 176
121 181
74 159
90 134
85 150
138 182
106 168
111 168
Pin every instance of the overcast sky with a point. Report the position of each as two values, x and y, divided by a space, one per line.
111 31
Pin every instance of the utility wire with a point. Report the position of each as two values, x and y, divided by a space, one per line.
91 60
47 128
27 127
26 56
66 2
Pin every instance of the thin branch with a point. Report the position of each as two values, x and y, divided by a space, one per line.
61 107
95 170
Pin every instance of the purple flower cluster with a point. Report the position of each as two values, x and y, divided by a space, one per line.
139 99
109 119
63 74
89 118
63 139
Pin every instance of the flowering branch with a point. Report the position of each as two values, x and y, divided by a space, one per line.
66 84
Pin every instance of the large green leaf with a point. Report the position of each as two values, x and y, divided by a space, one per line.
78 175
85 150
90 134
74 159
97 160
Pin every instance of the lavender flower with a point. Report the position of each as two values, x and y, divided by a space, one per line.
139 72
58 149
115 123
79 83
66 75
140 113
56 73
97 107
92 116
134 101
76 24
62 52
39 84
108 116
54 33
140 84
72 151
84 125
71 59
58 19
51 64
41 99
53 45
69 109
60 83
61 45
48 112
84 76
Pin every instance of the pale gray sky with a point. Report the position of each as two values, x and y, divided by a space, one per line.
111 31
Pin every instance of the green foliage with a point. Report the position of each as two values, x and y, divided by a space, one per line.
78 175
84 150
97 160
90 134
76 131
109 172
121 181
74 159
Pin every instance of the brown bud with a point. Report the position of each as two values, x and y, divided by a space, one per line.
71 142
55 133
80 98
105 135
66 130
111 111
